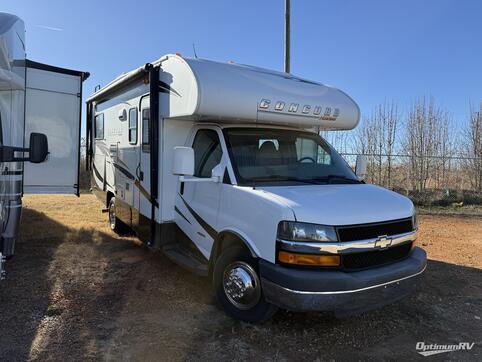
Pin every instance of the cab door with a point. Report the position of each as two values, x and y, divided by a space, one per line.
197 203
53 106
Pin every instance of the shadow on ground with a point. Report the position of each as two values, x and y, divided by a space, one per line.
81 294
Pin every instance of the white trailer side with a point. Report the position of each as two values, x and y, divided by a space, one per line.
40 110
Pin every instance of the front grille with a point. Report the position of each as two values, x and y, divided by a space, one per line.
369 231
369 259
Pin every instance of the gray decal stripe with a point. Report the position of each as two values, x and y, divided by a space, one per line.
180 213
99 176
97 173
122 163
6 172
124 171
166 88
210 230
146 194
142 190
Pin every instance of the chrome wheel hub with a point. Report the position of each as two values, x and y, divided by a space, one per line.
241 285
112 215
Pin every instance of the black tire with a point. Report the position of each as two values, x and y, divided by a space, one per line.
258 310
114 222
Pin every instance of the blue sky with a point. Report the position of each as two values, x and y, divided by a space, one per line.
373 49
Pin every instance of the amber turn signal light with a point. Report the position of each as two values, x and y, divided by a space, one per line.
308 259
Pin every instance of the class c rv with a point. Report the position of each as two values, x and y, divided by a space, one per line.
40 115
221 166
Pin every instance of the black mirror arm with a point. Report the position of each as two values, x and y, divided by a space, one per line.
7 154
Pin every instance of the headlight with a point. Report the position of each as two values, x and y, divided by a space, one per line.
301 231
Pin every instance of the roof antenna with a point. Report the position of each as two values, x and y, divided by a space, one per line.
194 49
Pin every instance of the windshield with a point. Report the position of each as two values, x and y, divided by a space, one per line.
280 156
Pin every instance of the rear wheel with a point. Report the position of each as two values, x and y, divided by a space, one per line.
238 288
114 222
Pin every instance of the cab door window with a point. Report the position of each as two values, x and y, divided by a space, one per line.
207 152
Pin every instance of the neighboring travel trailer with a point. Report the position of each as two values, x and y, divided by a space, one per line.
221 167
40 107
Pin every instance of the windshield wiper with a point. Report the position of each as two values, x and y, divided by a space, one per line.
328 178
284 178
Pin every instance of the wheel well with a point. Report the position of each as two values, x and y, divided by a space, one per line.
224 241
110 195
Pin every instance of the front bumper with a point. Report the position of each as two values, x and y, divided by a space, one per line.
341 292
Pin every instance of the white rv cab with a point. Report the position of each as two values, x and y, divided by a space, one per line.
222 167
40 108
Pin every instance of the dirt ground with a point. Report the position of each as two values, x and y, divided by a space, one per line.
76 291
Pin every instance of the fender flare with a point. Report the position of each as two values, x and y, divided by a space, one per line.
243 238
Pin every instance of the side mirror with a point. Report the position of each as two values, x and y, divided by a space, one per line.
361 167
39 148
37 151
183 161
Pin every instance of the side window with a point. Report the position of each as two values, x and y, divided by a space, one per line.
146 131
133 126
207 152
99 126
308 150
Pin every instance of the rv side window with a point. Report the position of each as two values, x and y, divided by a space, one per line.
133 126
99 127
146 131
307 150
207 152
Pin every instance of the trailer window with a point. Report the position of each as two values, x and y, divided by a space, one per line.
207 152
99 127
133 126
146 131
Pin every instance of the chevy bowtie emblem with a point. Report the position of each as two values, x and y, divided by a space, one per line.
383 242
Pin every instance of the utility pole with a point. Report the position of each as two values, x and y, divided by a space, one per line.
287 35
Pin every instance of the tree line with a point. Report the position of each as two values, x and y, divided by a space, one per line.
417 149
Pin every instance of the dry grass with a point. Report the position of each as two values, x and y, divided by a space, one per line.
452 240
72 215
77 291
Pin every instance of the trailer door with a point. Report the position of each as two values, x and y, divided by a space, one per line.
142 195
53 107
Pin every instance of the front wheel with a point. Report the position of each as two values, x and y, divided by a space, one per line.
238 288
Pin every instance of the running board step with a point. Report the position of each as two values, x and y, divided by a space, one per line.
187 259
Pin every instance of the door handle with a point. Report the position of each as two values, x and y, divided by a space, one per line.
139 173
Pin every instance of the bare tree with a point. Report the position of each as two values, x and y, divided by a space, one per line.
377 137
427 140
389 117
473 147
366 143
340 140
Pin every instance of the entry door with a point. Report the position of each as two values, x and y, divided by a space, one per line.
143 171
197 203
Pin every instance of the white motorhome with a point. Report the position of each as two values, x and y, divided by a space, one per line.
40 106
221 167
